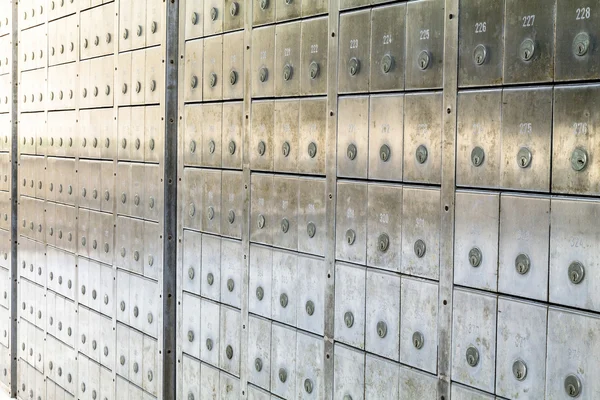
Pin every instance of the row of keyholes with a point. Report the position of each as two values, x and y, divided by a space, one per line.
210 279
139 31
136 312
286 148
214 13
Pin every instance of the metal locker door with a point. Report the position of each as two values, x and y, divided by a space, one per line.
285 10
231 272
351 222
123 292
211 267
521 347
479 138
287 56
138 27
129 233
51 314
350 295
85 242
154 72
233 12
309 367
353 148
122 387
211 201
105 233
22 338
209 383
192 258
190 327
211 133
153 255
311 212
263 12
154 135
39 353
231 203
260 279
106 183
476 244
86 183
192 192
93 389
194 51
137 189
285 212
529 41
311 142
574 166
418 329
137 133
107 343
466 393
424 43
262 222
135 357
348 373
152 199
194 19
384 226
83 277
213 17
154 22
572 353
59 316
107 385
313 53
192 134
263 58
138 65
285 136
135 393
231 149
355 51
382 322
284 287
213 66
190 382
122 352
230 387
283 361
526 127
474 339
388 35
150 310
124 136
573 253
123 79
229 351
259 351
209 334
481 43
386 137
94 334
524 244
381 378
150 373
262 136
310 305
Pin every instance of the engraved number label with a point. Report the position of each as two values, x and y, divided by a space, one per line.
354 43
387 39
580 128
528 20
525 128
583 13
424 34
480 27
314 48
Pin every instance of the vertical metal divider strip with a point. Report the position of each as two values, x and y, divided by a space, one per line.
169 290
330 176
14 160
247 105
447 197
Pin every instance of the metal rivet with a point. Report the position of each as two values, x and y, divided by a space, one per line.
475 257
349 319
472 356
522 264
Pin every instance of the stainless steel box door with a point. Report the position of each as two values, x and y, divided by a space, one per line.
231 203
384 226
382 322
285 210
415 385
476 244
209 381
355 51
348 373
287 57
524 243
262 221
381 379
351 222
388 36
192 262
194 22
209 333
311 215
311 143
210 286
194 52
233 63
190 382
353 137
259 352
263 60
466 393
192 198
213 68
211 201
529 41
213 16
284 287
230 340
310 304
231 149
309 367
191 325
259 289
478 138
231 272
285 136
283 361
263 12
350 293
386 137
313 56
261 138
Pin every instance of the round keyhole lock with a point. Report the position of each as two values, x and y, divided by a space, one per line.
234 9
210 213
122 306
229 352
149 318
263 74
383 242
581 44
214 13
347 397
350 237
477 156
231 147
258 364
385 153
313 70
233 76
230 284
136 199
285 225
308 386
421 154
524 157
310 307
579 159
479 54
262 148
472 356
527 50
353 66
288 71
312 149
212 79
418 340
282 375
475 257
192 146
285 149
519 369
260 293
283 300
209 344
423 60
264 4
261 221
311 229
351 151
381 329
522 264
231 216
139 30
349 319
387 63
136 311
420 248
194 82
136 367
138 87
210 279
572 386
576 272
194 19
152 86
